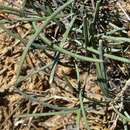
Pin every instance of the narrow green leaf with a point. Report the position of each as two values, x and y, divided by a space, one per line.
121 115
62 43
117 58
83 111
38 31
86 31
113 57
46 114
34 99
74 55
127 115
16 36
33 72
55 62
100 70
124 39
77 72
